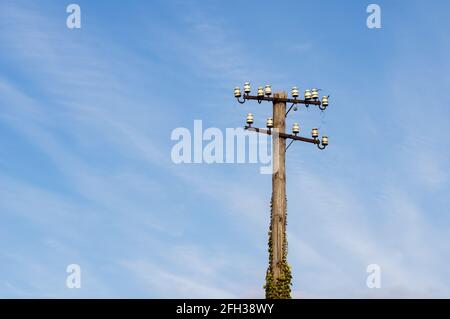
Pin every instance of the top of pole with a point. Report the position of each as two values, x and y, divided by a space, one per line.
280 95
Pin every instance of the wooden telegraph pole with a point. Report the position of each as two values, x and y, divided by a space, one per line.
278 186
278 276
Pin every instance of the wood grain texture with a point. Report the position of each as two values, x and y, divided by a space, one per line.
278 185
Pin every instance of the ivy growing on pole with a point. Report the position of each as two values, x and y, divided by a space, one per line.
281 287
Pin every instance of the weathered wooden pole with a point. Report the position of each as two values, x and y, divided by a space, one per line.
278 188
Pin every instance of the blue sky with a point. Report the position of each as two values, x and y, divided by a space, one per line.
86 175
